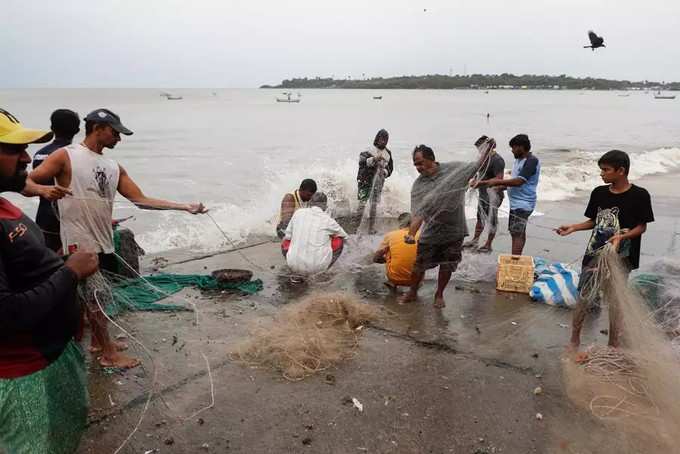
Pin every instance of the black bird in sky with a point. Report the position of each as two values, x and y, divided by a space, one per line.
595 41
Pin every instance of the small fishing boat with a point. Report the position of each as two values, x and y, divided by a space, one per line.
288 98
170 96
377 97
658 95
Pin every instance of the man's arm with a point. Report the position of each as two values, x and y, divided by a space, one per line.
287 208
334 229
39 181
380 256
416 222
569 229
635 232
500 181
21 311
129 189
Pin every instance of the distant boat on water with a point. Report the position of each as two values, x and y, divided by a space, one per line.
288 98
658 95
377 97
170 96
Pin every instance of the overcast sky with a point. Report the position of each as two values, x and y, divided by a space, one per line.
229 43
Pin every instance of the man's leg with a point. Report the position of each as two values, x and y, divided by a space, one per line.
95 291
450 256
493 224
583 305
517 225
442 281
518 242
412 293
580 313
479 226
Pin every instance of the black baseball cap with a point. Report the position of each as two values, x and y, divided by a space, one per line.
109 118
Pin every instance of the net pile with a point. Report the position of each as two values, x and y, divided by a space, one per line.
639 381
308 337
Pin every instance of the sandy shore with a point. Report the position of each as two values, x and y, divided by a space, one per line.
459 380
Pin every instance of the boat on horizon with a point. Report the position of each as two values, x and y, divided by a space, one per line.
288 97
658 95
377 97
170 96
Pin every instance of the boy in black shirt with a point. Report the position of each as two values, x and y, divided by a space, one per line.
617 213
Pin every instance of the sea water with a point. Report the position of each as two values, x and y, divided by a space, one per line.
238 150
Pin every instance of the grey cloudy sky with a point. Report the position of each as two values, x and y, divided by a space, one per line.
229 43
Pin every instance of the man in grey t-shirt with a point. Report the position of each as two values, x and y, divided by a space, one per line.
438 203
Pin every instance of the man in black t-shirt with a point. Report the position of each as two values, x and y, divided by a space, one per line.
65 125
618 213
489 199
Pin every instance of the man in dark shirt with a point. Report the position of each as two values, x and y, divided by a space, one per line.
65 125
618 213
43 391
489 199
438 204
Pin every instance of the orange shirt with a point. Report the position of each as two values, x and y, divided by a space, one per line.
400 256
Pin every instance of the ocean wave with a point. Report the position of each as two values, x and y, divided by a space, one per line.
256 215
581 174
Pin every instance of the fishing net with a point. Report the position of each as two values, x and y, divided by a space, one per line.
639 381
308 337
144 293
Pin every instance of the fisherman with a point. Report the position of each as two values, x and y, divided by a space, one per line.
398 256
438 204
315 239
488 199
43 386
618 213
292 201
86 216
375 165
65 125
521 186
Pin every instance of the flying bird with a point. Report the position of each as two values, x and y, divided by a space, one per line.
595 41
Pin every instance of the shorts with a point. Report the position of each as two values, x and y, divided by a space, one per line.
447 256
45 412
487 210
586 294
94 293
517 223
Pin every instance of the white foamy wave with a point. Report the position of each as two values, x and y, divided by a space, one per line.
255 215
582 173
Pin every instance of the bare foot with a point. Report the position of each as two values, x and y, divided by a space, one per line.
119 346
581 357
439 302
119 360
406 298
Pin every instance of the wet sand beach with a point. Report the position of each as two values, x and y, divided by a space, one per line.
458 380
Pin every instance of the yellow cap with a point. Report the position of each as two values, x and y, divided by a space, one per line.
12 132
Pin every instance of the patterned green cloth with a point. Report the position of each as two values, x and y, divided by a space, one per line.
45 412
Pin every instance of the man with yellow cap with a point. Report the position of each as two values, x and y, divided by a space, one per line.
43 389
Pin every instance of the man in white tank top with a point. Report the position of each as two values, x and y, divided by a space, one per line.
87 213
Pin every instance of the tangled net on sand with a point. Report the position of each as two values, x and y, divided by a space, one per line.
308 337
640 380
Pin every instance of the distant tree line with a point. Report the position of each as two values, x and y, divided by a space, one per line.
475 81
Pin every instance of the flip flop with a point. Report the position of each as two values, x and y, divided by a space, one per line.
484 250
